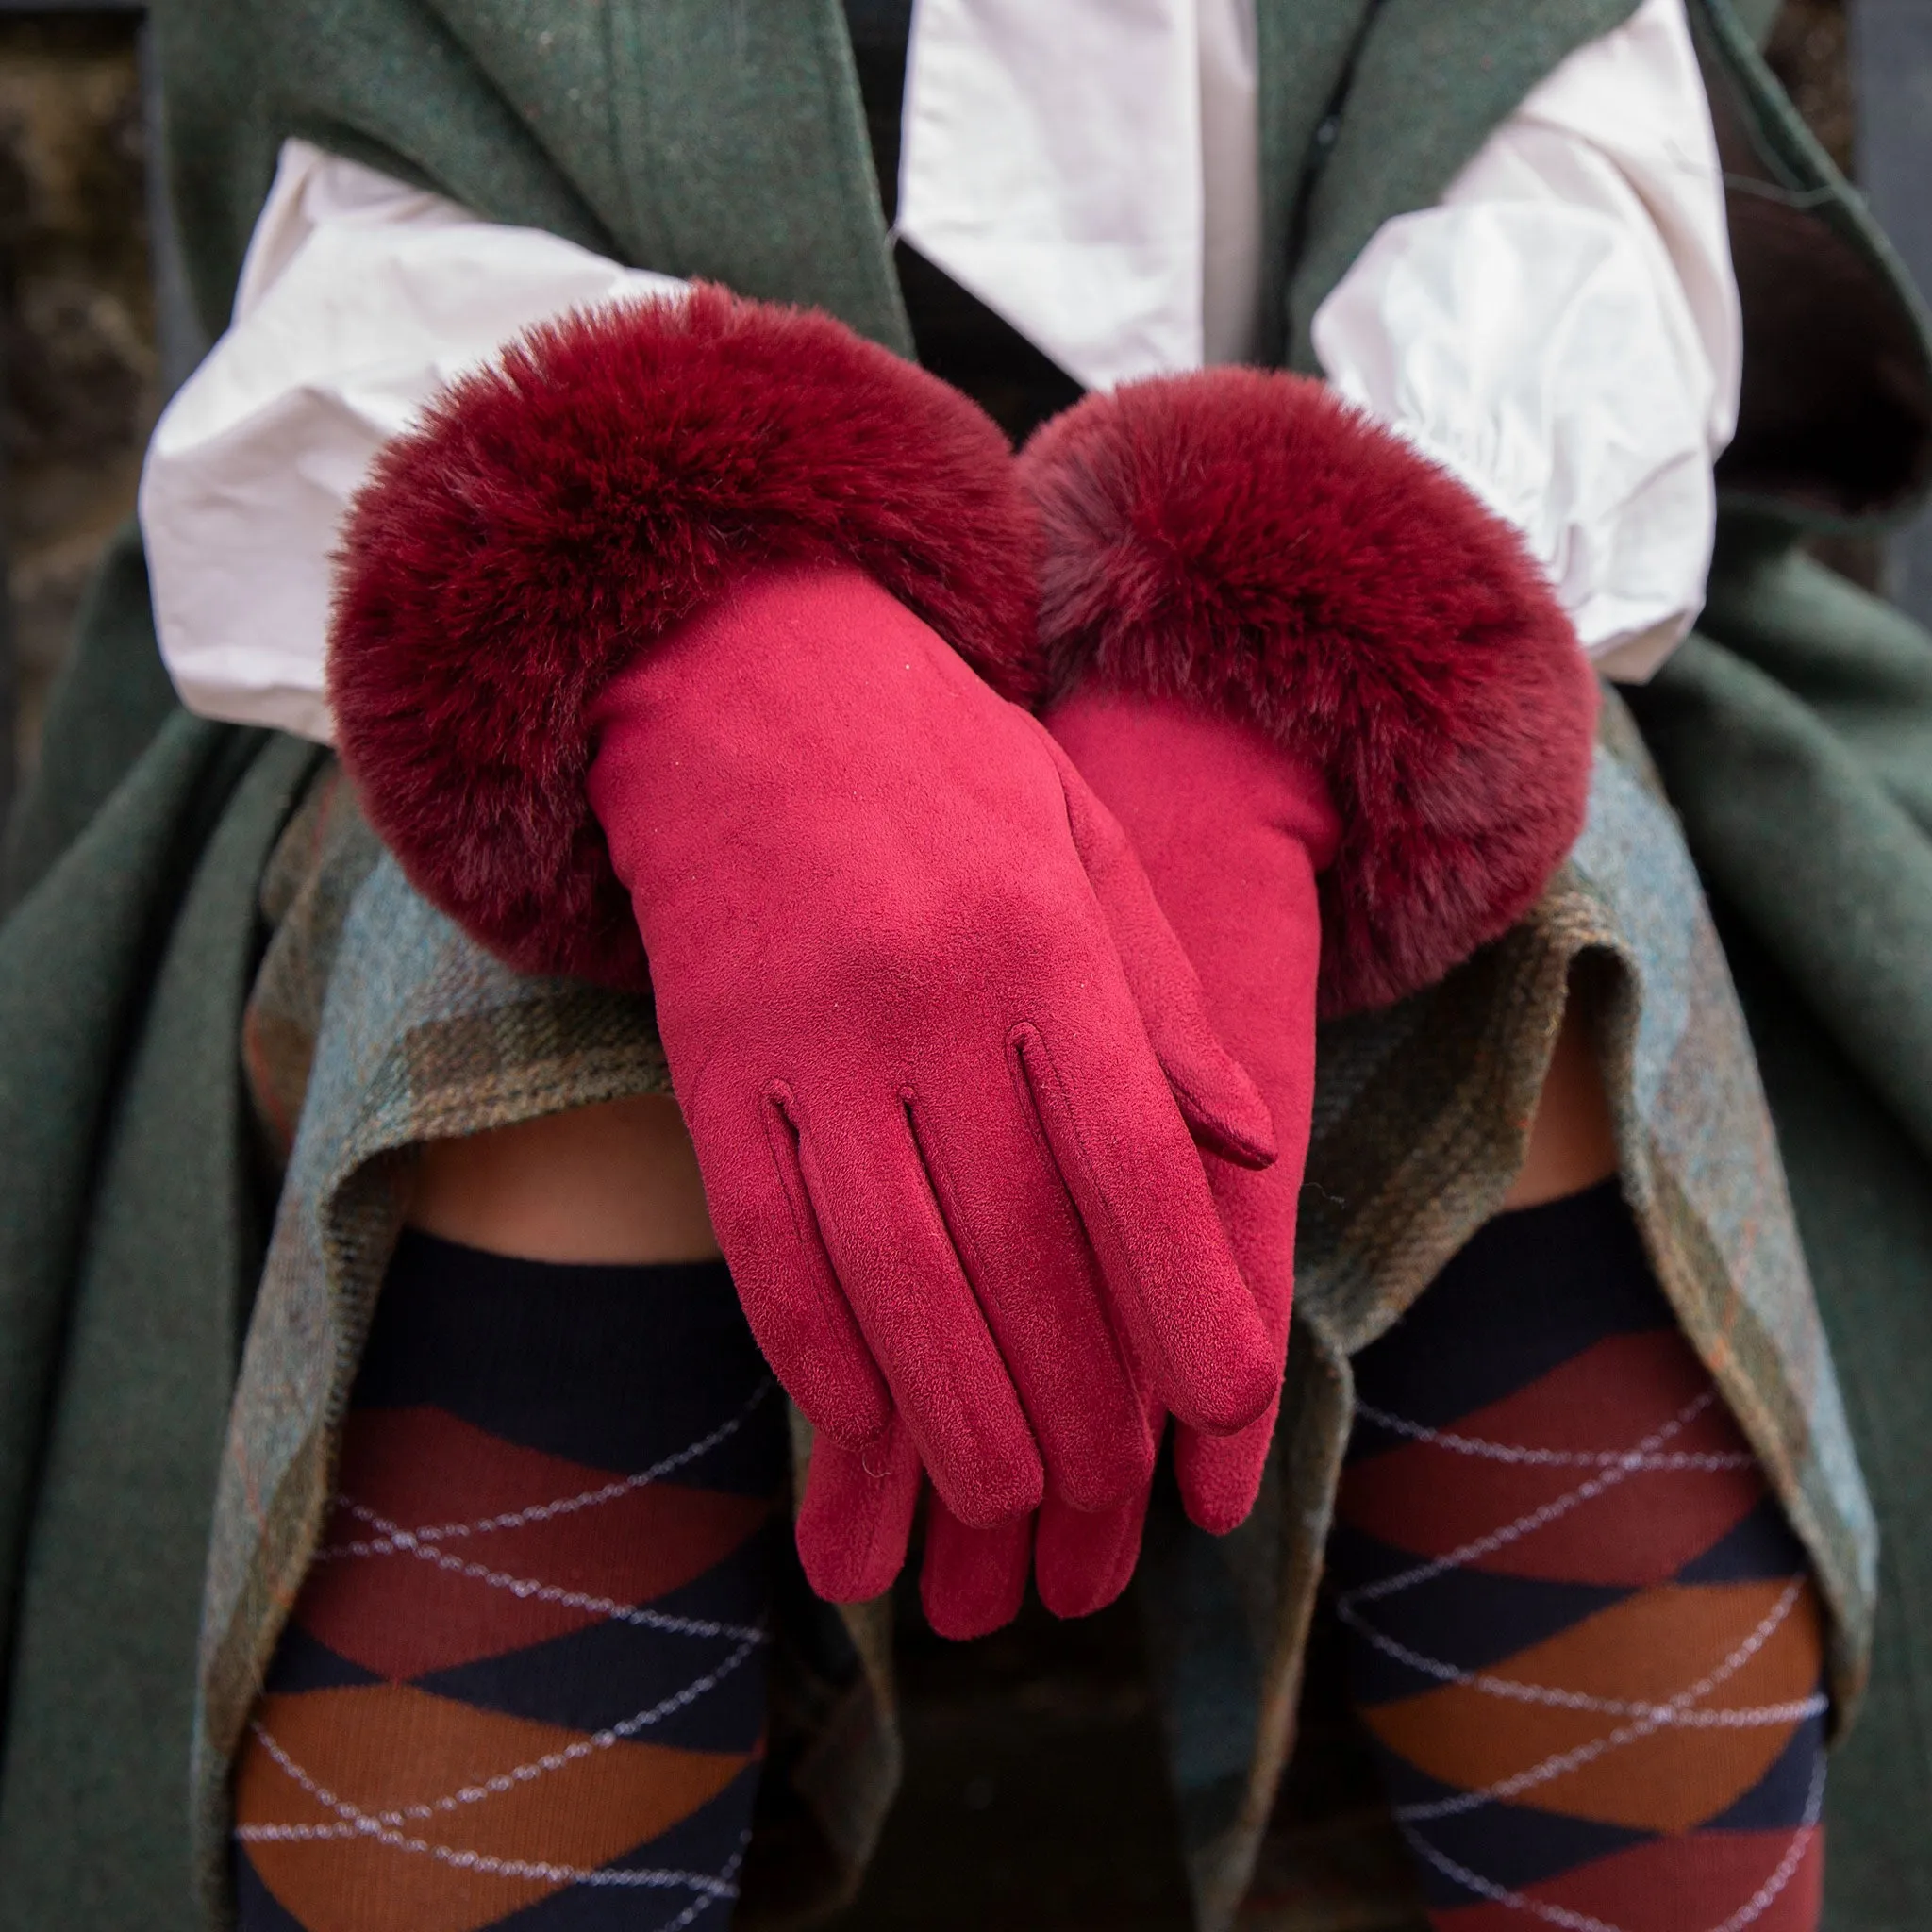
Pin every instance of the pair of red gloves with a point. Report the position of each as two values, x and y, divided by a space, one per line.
705 632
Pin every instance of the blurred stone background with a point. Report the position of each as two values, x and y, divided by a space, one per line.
77 318
1810 53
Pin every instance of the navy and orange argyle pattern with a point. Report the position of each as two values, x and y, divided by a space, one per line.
1586 1644
524 1682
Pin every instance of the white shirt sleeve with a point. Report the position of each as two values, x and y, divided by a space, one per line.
359 300
1563 333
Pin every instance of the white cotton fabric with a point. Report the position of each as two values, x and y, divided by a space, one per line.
1562 332
359 300
1230 179
1091 172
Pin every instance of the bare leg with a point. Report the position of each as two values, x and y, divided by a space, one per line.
616 1182
1571 1142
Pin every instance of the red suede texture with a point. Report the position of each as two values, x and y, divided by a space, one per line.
856 1516
558 511
1249 539
974 1580
1234 833
890 931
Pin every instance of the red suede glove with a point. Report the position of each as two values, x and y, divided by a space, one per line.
1287 639
1232 831
707 564
887 925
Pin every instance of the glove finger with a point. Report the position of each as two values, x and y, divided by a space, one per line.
1220 1476
1259 1214
762 1216
857 1515
1028 1260
972 1580
889 1246
1137 1180
1082 1559
1221 1104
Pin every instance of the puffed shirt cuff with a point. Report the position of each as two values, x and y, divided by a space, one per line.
361 299
1562 332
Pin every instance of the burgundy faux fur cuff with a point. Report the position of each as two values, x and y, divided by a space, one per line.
1251 540
558 511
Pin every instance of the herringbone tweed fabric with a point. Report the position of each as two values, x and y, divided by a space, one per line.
1421 1117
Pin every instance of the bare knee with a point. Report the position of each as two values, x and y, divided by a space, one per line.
617 1182
1571 1143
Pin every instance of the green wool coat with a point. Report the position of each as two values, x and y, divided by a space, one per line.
1794 735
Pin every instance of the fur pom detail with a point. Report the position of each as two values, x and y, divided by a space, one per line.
604 480
1250 540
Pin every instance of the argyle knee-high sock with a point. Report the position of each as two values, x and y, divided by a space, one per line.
523 1683
1586 1643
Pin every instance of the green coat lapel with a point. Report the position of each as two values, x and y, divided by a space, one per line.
1302 49
715 137
720 141
1429 83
